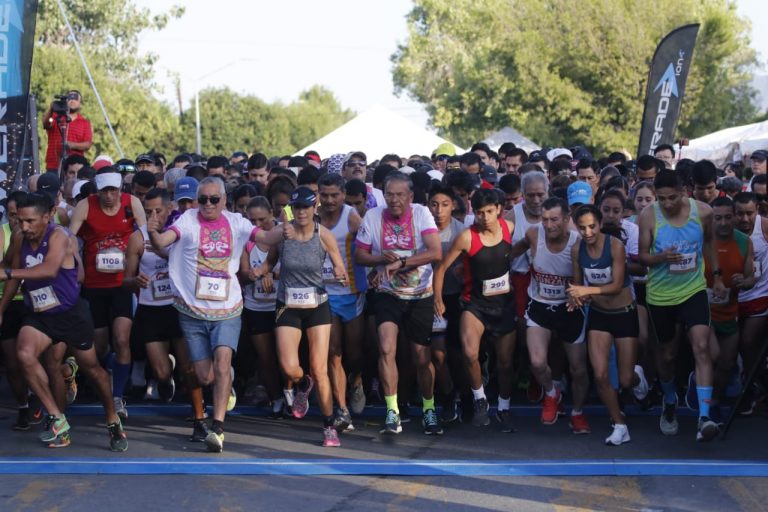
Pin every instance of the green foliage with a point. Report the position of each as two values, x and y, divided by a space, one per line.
563 72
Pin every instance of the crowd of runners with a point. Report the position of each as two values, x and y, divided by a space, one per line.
460 283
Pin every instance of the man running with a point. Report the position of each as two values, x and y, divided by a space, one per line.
675 233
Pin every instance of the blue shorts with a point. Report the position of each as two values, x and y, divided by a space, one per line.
347 307
204 336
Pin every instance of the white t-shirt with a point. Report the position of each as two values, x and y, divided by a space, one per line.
381 232
203 264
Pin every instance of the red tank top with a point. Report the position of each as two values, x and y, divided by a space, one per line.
106 239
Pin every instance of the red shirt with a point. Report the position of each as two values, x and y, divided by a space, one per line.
105 234
79 130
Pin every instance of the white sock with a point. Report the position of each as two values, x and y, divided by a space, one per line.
288 394
575 412
478 394
552 393
503 404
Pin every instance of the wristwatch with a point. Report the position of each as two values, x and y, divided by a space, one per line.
402 261
717 273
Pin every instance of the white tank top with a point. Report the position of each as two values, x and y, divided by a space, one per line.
760 248
254 297
159 292
551 272
522 263
341 233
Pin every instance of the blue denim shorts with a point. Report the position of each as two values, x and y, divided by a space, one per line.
204 336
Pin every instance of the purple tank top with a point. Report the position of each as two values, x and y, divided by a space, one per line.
48 296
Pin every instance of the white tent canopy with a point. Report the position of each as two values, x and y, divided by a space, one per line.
377 132
509 134
729 145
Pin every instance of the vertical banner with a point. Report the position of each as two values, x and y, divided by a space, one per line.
17 34
666 87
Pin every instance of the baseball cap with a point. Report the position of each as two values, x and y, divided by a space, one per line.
760 154
407 169
48 183
145 157
446 148
303 196
558 152
78 187
489 174
186 188
579 193
536 156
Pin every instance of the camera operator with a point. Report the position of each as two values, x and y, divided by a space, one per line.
77 131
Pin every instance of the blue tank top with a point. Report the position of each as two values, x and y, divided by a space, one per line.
48 296
599 271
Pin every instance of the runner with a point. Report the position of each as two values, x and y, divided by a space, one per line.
347 302
402 241
547 315
486 302
205 256
674 234
601 276
55 313
302 306
105 221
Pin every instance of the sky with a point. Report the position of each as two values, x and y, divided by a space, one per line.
276 49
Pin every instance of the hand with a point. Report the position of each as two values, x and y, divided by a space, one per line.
391 269
257 272
153 223
288 230
671 256
718 288
374 279
341 275
738 280
390 257
439 307
267 283
142 280
577 292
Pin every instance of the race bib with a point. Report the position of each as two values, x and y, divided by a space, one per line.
260 295
212 288
161 289
688 264
301 298
110 261
439 324
599 275
328 276
44 299
497 286
758 269
552 291
713 299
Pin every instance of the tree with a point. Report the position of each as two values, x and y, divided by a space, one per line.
566 73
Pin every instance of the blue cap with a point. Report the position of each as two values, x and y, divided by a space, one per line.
579 193
303 197
186 188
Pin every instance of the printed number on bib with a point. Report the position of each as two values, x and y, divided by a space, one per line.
439 324
598 275
301 297
259 293
713 299
687 264
497 286
44 299
161 289
212 288
328 276
552 291
110 261
758 268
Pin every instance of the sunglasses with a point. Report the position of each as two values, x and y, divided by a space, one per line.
126 168
205 199
356 164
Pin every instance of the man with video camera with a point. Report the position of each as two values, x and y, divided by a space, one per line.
69 133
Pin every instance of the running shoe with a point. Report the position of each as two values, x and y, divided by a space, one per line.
120 408
620 435
357 399
431 423
668 420
748 402
480 417
391 423
22 420
579 424
70 381
61 441
36 416
374 395
330 437
151 393
342 420
449 411
691 397
214 442
200 431
301 397
641 390
54 427
551 408
232 400
118 442
166 390
534 392
708 430
505 418
277 409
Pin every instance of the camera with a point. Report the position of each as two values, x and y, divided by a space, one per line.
60 105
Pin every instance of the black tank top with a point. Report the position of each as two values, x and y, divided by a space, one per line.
486 270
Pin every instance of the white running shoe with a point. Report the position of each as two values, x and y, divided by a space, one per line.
620 435
641 390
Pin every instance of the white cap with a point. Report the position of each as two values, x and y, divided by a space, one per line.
435 175
554 153
77 187
108 179
407 170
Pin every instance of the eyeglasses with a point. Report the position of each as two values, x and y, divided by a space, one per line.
356 163
204 199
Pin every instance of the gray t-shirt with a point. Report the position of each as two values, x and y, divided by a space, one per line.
452 284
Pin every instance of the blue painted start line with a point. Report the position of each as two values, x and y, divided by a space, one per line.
353 467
